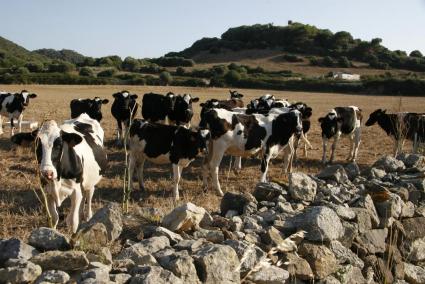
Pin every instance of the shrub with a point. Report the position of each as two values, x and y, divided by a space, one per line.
86 71
220 69
180 71
232 77
107 73
130 64
173 61
344 62
35 67
165 78
416 53
61 67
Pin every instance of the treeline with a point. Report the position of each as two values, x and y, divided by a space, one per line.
308 40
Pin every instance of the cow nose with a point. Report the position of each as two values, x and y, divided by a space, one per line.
299 129
47 174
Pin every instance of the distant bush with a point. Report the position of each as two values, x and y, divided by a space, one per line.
152 68
344 62
130 64
220 69
173 61
192 82
232 77
35 67
86 71
107 73
180 71
61 67
290 58
165 78
416 53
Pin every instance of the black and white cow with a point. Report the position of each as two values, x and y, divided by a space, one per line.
400 126
176 108
342 121
93 107
12 106
164 144
72 161
124 106
235 101
24 139
246 136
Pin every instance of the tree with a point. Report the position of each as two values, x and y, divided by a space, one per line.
416 53
35 67
165 77
180 71
232 77
61 67
344 62
130 64
107 73
86 71
328 61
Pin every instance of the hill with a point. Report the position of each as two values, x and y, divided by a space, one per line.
64 55
320 47
12 54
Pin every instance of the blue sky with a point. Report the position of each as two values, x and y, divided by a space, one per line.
141 28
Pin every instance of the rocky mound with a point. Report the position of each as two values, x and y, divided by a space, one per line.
341 226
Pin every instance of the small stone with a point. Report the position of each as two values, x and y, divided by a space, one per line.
155 275
61 260
302 187
15 248
184 218
389 164
269 275
22 271
321 259
173 237
53 276
267 191
334 173
298 266
120 278
48 239
233 201
414 274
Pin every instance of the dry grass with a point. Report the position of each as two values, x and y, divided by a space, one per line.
20 211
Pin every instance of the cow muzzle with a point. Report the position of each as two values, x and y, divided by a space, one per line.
48 175
299 129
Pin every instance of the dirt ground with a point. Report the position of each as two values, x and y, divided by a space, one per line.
20 211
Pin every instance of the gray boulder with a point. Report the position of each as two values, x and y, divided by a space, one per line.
184 218
412 160
217 264
302 187
269 275
335 173
182 265
414 274
321 259
389 164
248 253
120 278
321 224
61 260
53 276
19 271
48 239
173 237
372 241
155 275
15 248
141 253
233 201
267 191
344 255
352 170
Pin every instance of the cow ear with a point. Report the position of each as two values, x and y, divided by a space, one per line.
202 104
71 138
134 96
34 133
240 96
105 101
116 95
32 96
321 119
195 100
384 111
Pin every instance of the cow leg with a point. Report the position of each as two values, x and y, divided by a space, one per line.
1 125
214 164
20 122
336 139
206 167
350 153
119 132
176 175
324 143
295 146
88 196
237 166
12 126
265 165
357 140
305 147
73 218
140 176
51 206
415 143
288 157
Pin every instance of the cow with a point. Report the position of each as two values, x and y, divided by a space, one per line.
235 101
164 144
339 121
12 106
93 107
400 126
265 103
72 161
123 109
246 136
176 108
24 139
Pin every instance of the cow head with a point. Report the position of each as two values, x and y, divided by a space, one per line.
125 100
95 108
305 110
265 102
235 95
23 98
182 107
375 117
329 124
203 137
56 156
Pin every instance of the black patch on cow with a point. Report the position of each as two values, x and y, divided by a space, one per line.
156 107
239 132
181 112
161 139
24 139
253 132
283 127
217 126
98 151
122 107
92 107
344 121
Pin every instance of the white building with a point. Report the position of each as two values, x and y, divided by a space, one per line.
346 76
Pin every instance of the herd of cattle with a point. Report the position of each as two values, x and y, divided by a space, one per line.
72 157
